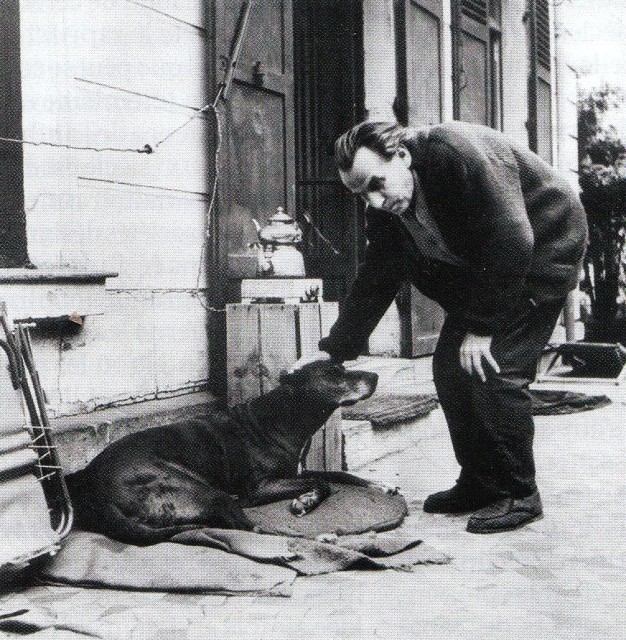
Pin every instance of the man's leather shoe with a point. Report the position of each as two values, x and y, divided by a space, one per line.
506 514
460 499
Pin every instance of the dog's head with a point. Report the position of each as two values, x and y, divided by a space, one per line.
331 384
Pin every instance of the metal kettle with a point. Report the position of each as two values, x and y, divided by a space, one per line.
278 254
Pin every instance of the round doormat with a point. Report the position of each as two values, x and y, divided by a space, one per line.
348 510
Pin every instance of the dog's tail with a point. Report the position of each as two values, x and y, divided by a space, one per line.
124 529
111 521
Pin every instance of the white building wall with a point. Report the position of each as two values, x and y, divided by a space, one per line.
515 69
565 97
112 73
379 59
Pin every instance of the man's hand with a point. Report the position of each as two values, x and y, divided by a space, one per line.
472 352
312 357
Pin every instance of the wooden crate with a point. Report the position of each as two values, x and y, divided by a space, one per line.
264 340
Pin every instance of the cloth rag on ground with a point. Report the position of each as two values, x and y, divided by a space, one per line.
387 409
242 562
548 402
226 561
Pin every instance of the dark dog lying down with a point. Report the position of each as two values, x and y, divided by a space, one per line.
148 486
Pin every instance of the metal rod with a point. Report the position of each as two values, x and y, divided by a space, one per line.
236 49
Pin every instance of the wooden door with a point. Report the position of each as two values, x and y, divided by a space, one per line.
477 61
256 165
257 168
419 24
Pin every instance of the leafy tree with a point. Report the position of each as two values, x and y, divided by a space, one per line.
602 157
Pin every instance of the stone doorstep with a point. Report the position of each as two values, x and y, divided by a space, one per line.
364 444
80 438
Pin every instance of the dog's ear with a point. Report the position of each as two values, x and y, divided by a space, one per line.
285 378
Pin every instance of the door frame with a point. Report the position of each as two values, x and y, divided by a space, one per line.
216 258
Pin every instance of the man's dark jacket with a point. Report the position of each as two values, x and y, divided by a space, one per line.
516 227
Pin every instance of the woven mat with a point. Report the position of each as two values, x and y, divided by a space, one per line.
348 510
387 409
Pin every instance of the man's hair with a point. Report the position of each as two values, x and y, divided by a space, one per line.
382 137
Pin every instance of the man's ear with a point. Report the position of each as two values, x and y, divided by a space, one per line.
405 155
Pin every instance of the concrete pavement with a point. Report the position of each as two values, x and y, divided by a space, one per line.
562 577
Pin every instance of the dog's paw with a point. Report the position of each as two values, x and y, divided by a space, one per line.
385 488
328 538
305 503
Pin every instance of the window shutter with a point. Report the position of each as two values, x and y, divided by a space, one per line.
12 215
475 9
539 82
476 61
543 33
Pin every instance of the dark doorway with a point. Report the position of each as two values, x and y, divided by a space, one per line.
328 89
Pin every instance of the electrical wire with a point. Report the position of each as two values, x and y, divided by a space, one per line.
209 217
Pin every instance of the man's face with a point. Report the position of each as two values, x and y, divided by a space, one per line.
383 184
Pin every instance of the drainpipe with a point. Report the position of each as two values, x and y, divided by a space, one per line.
457 57
531 124
558 60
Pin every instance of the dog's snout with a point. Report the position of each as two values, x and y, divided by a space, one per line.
372 379
370 382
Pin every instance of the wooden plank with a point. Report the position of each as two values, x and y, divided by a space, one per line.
310 328
333 443
243 352
328 315
310 334
315 458
277 324
261 344
326 450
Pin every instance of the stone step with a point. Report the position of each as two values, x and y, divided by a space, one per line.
80 438
364 444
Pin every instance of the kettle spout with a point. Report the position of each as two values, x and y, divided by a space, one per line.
257 226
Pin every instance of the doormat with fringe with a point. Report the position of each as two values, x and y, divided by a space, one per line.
388 409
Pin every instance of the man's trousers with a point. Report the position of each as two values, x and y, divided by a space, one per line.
491 423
